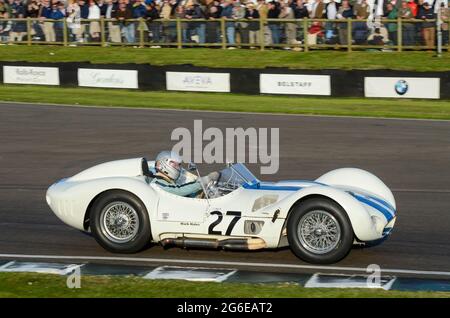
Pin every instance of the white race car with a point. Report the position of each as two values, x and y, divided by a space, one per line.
319 220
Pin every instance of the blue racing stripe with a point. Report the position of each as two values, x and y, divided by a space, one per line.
259 186
385 203
387 214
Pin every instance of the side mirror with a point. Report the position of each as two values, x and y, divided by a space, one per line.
192 166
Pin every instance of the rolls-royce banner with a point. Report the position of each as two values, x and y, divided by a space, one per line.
107 78
402 87
30 75
198 82
294 84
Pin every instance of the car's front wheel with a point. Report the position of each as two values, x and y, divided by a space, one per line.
120 222
319 231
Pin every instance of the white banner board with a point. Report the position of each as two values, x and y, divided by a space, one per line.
294 84
402 87
198 82
30 75
90 77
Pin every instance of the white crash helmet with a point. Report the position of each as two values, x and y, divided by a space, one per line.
168 163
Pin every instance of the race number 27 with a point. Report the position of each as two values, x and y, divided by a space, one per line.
237 216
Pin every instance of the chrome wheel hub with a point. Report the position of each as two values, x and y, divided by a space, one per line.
119 222
319 231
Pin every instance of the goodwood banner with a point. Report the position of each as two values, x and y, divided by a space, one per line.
90 77
198 82
293 84
30 75
402 87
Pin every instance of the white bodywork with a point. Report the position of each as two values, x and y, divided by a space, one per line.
368 202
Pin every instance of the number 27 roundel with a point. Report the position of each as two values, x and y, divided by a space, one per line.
236 216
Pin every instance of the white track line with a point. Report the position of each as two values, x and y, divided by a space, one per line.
222 263
221 111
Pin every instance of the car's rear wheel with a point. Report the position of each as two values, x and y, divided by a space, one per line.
319 231
120 222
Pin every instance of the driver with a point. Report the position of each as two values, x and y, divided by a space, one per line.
168 169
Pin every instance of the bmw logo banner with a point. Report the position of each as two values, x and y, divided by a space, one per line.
401 87
408 87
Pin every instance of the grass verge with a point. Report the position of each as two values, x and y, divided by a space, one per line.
410 61
400 108
45 285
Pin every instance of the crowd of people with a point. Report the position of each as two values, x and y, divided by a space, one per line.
245 21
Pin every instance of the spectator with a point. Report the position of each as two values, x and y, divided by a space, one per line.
253 27
300 10
45 16
5 26
445 14
263 10
108 11
101 4
154 26
408 28
391 14
33 8
317 9
274 26
426 13
17 9
57 14
362 9
139 9
124 14
331 10
241 27
194 11
360 30
315 31
179 13
227 14
290 28
174 5
19 29
166 11
84 14
378 37
74 20
3 8
345 12
212 28
94 26
139 12
414 8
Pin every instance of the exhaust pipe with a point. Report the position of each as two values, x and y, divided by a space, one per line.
190 243
227 244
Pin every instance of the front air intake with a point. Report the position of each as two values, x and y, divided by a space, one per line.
253 227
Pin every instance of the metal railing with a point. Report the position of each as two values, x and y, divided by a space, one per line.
297 34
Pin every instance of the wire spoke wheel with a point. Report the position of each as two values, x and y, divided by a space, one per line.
319 232
119 222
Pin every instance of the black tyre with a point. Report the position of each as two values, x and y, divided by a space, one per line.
319 231
120 222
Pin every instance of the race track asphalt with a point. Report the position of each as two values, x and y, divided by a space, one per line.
40 144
